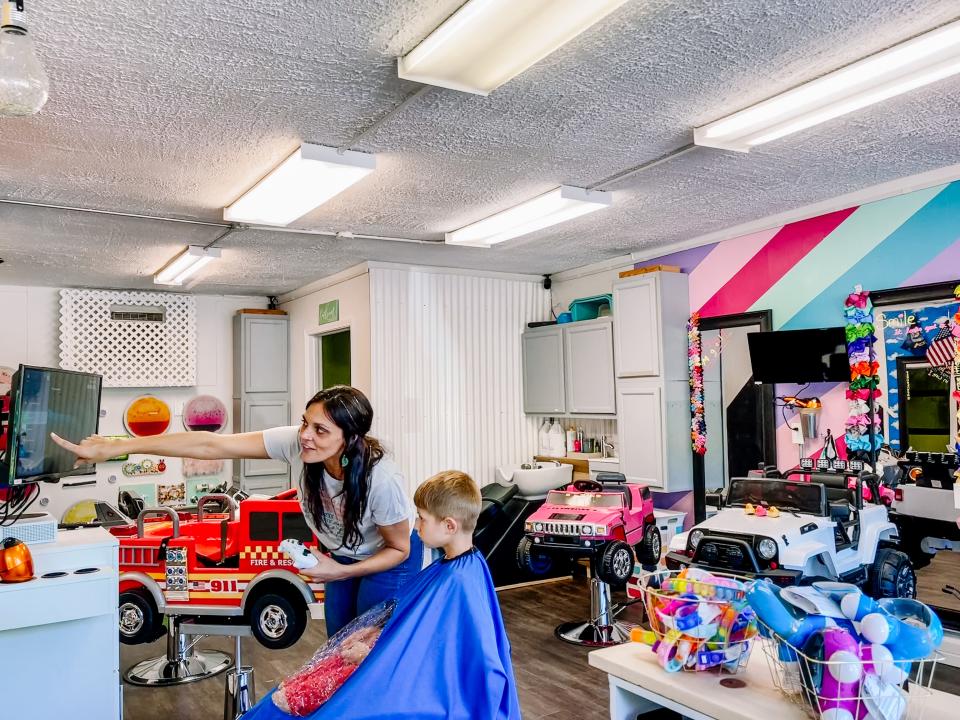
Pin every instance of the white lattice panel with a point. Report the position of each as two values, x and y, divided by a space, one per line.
129 353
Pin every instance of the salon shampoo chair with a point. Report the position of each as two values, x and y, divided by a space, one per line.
507 503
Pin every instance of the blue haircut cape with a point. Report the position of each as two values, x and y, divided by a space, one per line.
443 654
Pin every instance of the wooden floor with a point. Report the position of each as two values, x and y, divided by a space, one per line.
553 678
944 570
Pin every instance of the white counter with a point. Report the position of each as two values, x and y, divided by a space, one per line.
58 636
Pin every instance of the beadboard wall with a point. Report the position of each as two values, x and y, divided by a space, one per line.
446 369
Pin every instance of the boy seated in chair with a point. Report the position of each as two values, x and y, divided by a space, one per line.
444 653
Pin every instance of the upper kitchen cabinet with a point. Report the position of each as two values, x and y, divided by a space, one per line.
543 384
568 369
588 360
650 325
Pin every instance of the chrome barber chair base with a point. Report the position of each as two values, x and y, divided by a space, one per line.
159 672
593 635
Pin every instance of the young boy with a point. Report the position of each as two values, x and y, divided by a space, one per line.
444 653
448 505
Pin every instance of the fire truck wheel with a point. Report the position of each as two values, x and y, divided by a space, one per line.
139 620
616 563
276 621
649 548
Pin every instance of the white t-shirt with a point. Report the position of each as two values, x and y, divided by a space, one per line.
387 501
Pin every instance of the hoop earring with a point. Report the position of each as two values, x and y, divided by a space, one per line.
344 460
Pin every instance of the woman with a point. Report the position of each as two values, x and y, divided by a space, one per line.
352 497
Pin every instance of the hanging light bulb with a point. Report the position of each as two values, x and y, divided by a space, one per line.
23 83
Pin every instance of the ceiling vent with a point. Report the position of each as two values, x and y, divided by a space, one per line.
137 313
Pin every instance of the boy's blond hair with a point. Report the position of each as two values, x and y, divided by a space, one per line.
451 494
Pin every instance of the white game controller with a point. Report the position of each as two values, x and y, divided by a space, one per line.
302 558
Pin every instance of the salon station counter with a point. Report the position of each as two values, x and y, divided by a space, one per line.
58 634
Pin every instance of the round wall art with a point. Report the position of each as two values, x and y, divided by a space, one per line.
147 415
205 412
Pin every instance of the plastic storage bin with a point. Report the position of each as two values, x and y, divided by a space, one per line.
669 522
588 308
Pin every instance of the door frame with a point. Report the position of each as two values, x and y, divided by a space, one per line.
312 346
764 319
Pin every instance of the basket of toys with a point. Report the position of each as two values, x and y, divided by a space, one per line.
698 620
844 656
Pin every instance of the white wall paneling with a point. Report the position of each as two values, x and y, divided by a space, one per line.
33 331
446 369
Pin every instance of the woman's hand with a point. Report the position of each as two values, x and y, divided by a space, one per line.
93 449
326 570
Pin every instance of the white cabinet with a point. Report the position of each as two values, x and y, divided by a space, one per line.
654 425
543 381
588 353
58 635
568 369
652 387
650 325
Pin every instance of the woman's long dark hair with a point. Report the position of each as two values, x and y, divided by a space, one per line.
352 413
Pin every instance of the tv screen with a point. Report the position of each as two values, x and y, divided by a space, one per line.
42 401
799 356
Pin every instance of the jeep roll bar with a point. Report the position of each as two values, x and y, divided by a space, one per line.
872 481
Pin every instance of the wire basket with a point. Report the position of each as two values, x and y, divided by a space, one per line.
698 621
856 683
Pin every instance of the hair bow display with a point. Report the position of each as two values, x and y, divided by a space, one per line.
862 421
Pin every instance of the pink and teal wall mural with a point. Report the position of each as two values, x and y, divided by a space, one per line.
803 271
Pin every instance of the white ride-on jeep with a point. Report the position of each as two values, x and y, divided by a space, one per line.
819 530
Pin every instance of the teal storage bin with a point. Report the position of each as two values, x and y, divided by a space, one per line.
588 308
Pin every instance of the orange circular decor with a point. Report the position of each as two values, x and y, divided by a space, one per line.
147 415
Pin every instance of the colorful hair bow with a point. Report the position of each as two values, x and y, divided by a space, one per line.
862 394
856 315
859 357
862 330
864 369
858 299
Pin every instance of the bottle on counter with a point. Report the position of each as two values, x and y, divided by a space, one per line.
543 438
578 441
557 440
571 440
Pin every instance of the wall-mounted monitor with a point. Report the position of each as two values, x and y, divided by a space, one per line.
799 356
42 401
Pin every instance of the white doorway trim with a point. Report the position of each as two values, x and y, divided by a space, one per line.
312 339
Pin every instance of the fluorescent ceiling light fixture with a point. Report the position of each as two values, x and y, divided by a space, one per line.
551 208
306 180
488 42
912 64
185 265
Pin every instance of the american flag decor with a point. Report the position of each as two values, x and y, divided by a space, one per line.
943 348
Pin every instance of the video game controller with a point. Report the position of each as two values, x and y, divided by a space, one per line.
302 558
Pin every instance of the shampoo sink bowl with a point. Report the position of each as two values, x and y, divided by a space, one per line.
534 481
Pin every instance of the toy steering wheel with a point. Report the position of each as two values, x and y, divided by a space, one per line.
587 486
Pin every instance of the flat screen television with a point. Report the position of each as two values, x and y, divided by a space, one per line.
42 401
799 356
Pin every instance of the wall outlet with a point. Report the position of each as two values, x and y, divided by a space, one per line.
796 435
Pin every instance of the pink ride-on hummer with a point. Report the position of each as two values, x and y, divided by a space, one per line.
607 519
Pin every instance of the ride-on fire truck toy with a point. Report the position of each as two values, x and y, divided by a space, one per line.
608 520
216 567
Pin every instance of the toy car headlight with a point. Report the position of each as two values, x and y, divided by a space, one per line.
695 537
601 529
586 529
767 548
538 527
